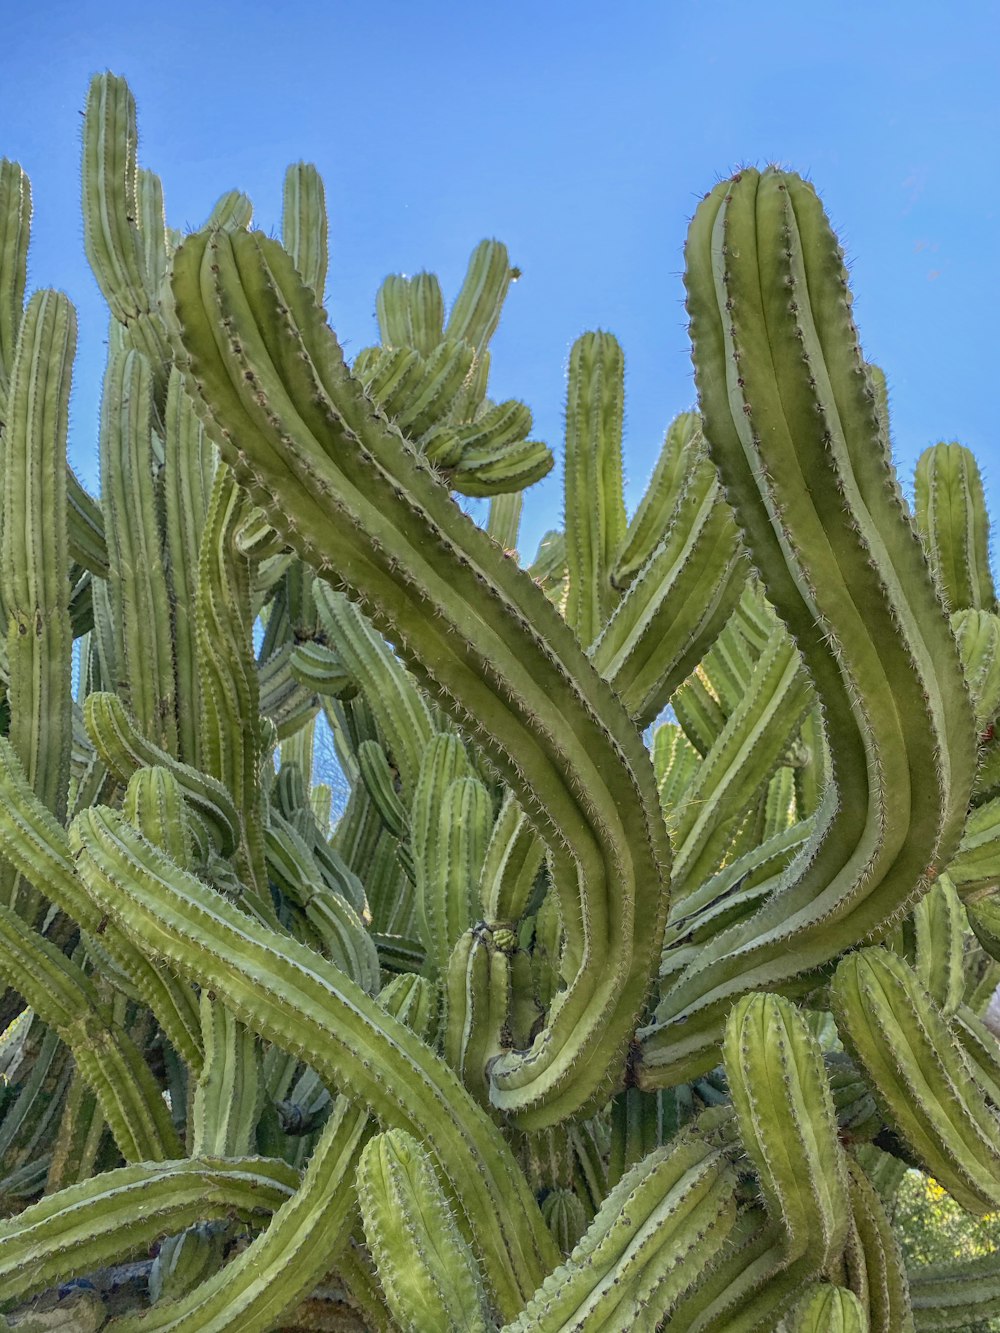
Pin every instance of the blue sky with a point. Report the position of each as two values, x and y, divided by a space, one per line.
580 134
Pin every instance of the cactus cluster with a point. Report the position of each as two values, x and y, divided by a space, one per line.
556 1026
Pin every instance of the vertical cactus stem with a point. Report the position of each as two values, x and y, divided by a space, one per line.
479 634
112 219
303 225
791 421
476 312
595 504
15 229
231 743
952 520
140 600
189 467
34 560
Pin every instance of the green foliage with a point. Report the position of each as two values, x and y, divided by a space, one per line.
553 1028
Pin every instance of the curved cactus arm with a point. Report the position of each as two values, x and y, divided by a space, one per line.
257 1289
749 1288
744 755
954 1295
919 1074
682 447
481 636
34 562
788 1124
111 218
140 599
291 996
952 520
875 1262
400 711
663 1225
124 749
426 1269
15 230
38 847
335 921
303 224
62 995
476 312
790 419
513 858
110 1216
595 502
677 604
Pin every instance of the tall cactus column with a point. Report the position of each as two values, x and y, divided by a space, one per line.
792 423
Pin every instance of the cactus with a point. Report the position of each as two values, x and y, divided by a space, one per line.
557 1025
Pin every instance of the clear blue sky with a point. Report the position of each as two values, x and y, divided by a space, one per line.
582 135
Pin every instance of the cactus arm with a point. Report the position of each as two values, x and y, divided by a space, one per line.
140 598
231 745
303 225
62 995
505 519
756 735
788 1125
595 503
793 428
402 715
232 211
484 640
15 230
122 747
87 541
654 513
113 1214
921 1079
476 312
426 1269
878 1252
636 1257
290 995
34 561
111 218
189 465
676 605
259 1288
952 520
410 312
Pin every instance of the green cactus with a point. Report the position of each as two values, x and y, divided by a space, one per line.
551 1028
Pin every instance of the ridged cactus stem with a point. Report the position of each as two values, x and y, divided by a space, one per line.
791 420
483 639
34 562
289 994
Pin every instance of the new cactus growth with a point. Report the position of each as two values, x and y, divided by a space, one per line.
551 1028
